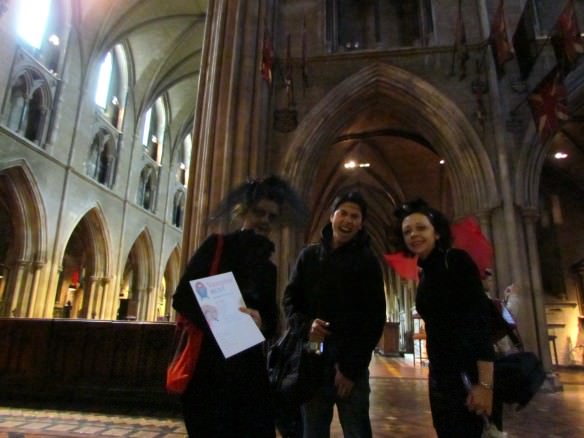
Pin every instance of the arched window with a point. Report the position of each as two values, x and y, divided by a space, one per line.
178 208
112 85
147 188
184 160
32 21
153 131
103 82
40 26
28 105
103 154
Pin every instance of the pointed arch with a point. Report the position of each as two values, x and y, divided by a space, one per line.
417 105
85 266
19 188
24 238
170 280
139 277
100 240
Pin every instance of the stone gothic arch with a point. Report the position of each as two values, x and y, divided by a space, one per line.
26 239
437 119
170 280
86 268
139 279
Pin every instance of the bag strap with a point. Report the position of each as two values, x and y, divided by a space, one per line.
183 322
217 256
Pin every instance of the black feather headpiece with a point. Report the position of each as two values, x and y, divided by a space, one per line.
273 188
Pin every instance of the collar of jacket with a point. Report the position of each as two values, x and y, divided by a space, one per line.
435 258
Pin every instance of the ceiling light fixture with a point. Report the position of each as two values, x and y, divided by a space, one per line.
353 164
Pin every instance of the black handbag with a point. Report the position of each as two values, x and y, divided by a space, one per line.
517 377
295 373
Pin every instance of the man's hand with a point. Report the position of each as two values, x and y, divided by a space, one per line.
344 386
318 330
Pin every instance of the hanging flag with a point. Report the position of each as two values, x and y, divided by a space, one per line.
548 102
304 56
467 235
460 52
75 277
566 38
267 57
524 41
500 45
288 80
406 267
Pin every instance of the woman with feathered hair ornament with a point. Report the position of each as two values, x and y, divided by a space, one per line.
231 397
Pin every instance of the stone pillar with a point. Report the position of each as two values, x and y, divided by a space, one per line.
502 143
17 284
530 216
89 296
33 292
100 297
228 133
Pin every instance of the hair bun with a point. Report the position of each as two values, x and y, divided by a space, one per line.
417 205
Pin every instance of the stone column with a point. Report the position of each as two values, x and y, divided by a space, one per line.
99 298
231 111
530 216
32 293
89 296
17 284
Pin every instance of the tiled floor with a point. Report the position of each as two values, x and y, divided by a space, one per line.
399 409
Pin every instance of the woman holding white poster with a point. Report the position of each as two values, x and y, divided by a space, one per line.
231 397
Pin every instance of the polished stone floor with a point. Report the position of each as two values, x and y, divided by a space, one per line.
399 408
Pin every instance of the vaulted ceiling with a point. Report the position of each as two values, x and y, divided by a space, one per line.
164 40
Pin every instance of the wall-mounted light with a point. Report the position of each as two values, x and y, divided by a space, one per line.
443 161
560 155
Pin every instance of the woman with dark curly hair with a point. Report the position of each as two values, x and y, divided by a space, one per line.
455 310
229 398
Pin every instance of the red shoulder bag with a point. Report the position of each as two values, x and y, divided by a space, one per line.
188 339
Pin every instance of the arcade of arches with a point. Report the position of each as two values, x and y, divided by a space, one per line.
93 218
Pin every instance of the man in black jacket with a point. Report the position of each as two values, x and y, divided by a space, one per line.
336 297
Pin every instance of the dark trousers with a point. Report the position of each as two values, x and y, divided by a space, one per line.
450 416
229 399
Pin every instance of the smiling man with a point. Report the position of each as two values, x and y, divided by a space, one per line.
335 296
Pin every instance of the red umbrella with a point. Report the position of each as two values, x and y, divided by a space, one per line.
406 267
467 235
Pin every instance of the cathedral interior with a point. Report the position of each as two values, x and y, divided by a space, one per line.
123 123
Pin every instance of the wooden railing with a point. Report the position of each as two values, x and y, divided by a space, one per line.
79 359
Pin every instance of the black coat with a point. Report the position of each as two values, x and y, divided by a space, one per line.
451 300
231 397
343 286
